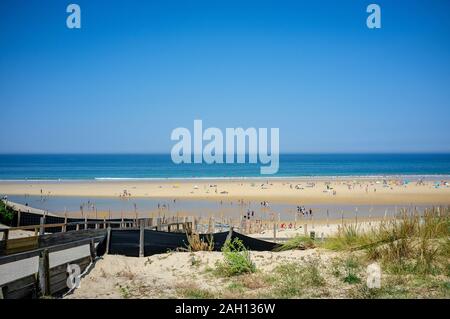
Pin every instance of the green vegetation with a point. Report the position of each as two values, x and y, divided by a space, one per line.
408 244
412 250
6 214
236 259
124 291
297 242
195 243
195 293
351 271
293 280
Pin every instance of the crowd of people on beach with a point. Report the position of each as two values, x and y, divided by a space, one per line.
303 211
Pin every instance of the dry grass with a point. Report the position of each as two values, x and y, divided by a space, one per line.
195 243
410 243
297 242
413 243
127 273
191 290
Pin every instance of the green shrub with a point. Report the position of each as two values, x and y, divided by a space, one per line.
351 270
6 214
236 259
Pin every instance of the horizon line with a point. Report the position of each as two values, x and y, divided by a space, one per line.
280 153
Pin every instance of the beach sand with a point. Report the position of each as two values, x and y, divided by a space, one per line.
376 191
174 274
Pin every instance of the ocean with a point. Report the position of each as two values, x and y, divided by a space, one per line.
160 166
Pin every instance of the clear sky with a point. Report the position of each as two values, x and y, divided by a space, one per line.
138 69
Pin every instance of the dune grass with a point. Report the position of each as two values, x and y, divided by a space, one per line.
295 279
297 242
195 243
410 243
236 261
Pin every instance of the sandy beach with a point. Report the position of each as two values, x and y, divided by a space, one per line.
370 191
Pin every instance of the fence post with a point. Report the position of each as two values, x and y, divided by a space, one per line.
158 224
108 238
5 235
230 234
274 230
18 218
41 227
209 225
5 239
44 273
65 224
141 237
85 222
92 250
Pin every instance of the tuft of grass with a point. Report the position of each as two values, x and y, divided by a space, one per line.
192 291
413 243
287 281
410 243
347 269
253 281
197 294
351 270
297 242
124 291
348 236
236 287
293 280
312 274
351 278
237 259
195 243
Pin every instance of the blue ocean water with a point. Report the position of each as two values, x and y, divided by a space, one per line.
135 166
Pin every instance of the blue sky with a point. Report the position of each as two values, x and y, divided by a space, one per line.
138 69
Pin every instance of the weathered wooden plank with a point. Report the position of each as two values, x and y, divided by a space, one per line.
21 244
21 283
42 227
92 252
26 292
108 239
44 273
26 287
57 278
19 241
58 238
59 287
58 282
55 248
